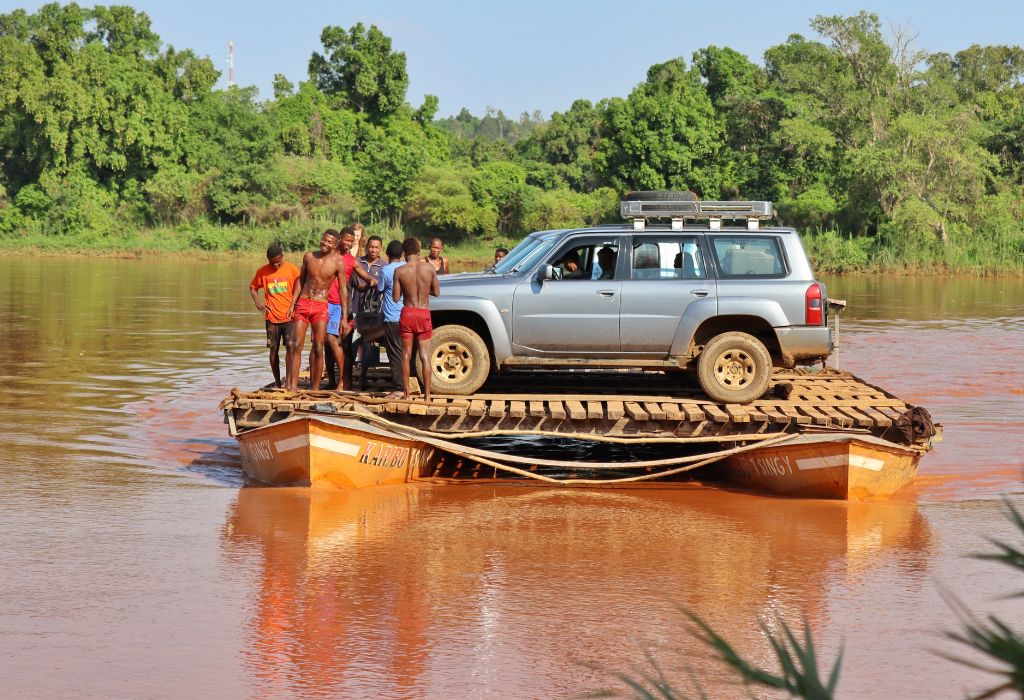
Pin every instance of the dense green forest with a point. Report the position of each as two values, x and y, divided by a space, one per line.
884 156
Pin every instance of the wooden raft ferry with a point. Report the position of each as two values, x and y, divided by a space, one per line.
823 434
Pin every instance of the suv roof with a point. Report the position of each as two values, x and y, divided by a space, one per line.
647 211
663 228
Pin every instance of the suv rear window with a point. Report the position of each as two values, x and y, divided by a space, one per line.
748 256
667 258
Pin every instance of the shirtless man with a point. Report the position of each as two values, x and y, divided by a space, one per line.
416 281
436 260
309 308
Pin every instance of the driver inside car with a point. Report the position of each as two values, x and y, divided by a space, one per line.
571 267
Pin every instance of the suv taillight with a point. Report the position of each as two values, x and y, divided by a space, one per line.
814 305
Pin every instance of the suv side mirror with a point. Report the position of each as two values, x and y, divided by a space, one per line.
548 272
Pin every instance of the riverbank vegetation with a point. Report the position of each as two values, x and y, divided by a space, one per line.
886 157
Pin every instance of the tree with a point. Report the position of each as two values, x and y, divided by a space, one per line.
306 124
747 117
663 136
728 75
282 87
989 69
232 142
425 114
440 200
498 186
86 91
867 59
388 167
569 141
361 69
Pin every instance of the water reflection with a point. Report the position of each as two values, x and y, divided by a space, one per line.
933 299
428 591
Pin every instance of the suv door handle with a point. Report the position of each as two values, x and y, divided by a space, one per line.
607 293
700 292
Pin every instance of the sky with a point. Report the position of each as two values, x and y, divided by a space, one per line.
536 54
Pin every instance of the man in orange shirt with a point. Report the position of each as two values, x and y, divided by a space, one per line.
277 280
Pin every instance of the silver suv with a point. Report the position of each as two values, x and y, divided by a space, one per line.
671 289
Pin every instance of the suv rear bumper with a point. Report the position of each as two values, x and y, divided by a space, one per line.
803 343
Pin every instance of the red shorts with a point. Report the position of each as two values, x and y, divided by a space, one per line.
311 311
415 323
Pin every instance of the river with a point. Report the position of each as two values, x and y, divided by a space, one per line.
134 561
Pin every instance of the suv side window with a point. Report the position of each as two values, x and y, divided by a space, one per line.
748 256
588 259
667 257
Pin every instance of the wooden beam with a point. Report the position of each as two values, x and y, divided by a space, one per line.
635 412
576 411
614 410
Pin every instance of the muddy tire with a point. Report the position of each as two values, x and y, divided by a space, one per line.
459 360
734 368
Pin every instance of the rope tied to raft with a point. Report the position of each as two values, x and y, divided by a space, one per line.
497 460
522 432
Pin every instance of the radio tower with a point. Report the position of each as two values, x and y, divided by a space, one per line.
231 64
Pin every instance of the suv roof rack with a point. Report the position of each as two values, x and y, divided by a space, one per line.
639 211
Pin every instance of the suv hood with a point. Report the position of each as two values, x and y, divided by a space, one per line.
482 284
463 279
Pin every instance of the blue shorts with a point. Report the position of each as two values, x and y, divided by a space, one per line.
334 319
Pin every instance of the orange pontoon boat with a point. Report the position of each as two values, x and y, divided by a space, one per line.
328 452
843 465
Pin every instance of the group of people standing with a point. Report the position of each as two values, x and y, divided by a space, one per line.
338 294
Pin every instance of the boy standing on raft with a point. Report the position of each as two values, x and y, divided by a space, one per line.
277 280
339 327
309 308
415 283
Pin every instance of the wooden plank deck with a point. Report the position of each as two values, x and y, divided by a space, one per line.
609 404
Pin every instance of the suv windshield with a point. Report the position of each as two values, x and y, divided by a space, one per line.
524 254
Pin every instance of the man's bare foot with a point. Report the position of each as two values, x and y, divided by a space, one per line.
405 396
394 395
339 387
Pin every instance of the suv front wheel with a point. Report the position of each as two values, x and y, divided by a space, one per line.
734 368
459 360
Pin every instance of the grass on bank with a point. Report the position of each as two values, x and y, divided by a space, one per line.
831 252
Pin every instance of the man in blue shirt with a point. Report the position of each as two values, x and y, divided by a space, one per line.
392 312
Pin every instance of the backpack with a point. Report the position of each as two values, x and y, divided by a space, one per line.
370 301
371 298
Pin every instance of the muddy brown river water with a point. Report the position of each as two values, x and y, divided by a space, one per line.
136 563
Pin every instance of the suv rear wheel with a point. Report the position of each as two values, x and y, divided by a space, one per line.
459 360
734 368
